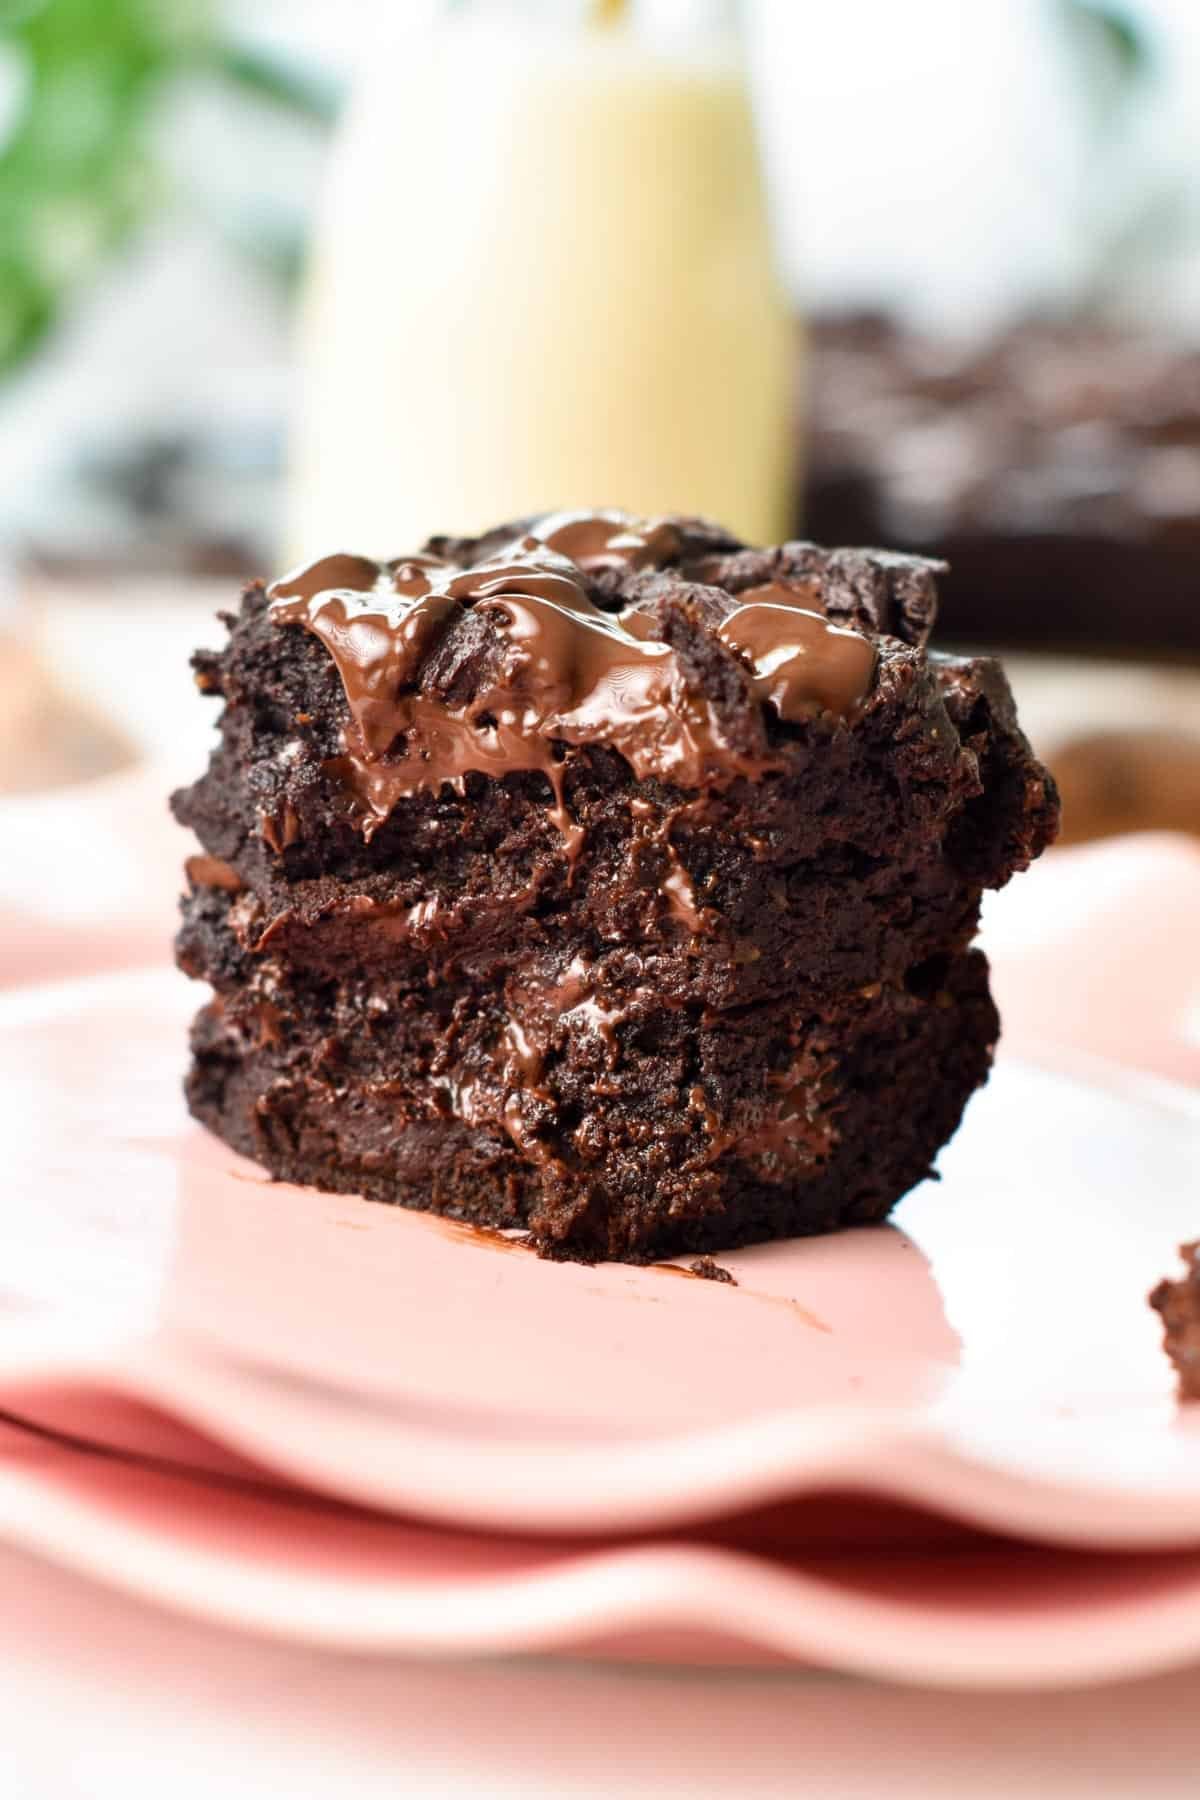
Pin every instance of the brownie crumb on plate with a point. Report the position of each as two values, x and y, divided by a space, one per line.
602 878
708 1270
1178 1304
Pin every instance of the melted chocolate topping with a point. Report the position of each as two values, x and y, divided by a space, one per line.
610 539
565 671
802 664
329 574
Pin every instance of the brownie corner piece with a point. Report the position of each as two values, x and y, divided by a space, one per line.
601 876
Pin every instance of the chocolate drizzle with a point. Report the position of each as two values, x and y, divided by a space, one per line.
555 669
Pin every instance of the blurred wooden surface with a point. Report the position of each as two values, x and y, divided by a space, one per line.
1123 740
1140 779
49 738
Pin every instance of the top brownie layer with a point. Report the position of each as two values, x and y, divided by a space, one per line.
630 732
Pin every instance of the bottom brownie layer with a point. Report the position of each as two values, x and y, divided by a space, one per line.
655 1133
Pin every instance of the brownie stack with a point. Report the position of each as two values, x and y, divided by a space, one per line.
604 878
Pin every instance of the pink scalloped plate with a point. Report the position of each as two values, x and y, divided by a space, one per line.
231 1549
990 1357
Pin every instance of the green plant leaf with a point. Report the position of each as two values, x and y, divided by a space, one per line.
78 171
272 78
1111 51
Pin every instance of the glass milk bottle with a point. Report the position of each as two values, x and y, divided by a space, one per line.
543 278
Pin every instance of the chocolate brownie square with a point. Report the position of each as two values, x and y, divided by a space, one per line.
604 878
